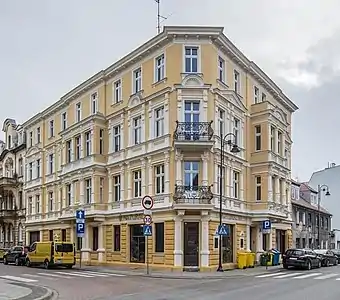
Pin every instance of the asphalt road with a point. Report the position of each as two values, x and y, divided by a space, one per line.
76 284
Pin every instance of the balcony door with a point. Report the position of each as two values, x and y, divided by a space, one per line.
192 119
191 169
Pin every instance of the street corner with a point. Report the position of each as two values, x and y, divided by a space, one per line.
24 291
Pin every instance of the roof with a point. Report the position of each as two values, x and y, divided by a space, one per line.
305 204
306 187
295 182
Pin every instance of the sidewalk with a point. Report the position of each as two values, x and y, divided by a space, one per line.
20 291
237 273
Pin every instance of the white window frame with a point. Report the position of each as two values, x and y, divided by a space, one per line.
237 82
30 170
78 111
116 188
258 138
68 151
88 191
256 95
191 56
137 130
50 201
219 177
51 128
50 163
263 97
94 103
221 69
38 135
159 179
137 80
88 143
137 183
37 204
64 120
236 184
221 122
30 205
116 138
101 141
31 138
272 139
279 142
160 67
38 167
101 190
69 194
237 131
117 91
159 122
77 152
258 184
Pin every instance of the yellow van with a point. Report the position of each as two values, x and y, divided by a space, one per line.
50 254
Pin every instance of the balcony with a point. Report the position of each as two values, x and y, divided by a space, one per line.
278 159
9 181
7 213
193 197
194 135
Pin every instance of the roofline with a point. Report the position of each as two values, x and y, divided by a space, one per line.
325 212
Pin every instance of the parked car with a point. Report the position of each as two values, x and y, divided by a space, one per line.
327 257
2 253
16 255
337 254
301 258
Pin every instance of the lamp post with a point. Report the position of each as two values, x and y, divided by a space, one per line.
230 140
321 188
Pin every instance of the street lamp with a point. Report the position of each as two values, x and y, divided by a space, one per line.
321 188
230 140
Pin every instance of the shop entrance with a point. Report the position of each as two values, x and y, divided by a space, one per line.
191 244
137 244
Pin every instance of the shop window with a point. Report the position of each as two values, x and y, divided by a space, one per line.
228 245
51 235
159 233
94 238
116 238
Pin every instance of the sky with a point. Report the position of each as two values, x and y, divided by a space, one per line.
48 47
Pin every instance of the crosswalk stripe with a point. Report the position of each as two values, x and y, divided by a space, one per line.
54 275
74 274
267 275
15 278
307 275
107 274
287 275
94 274
326 276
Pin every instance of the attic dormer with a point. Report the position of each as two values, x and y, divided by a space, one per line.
11 136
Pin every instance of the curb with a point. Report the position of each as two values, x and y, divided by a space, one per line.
48 296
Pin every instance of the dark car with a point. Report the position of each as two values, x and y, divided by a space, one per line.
327 257
337 254
16 255
301 258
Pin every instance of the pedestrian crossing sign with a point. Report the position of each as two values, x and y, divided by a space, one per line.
223 230
147 230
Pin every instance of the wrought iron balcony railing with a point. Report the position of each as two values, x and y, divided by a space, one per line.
193 131
193 194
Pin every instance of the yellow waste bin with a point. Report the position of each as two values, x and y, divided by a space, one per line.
250 260
242 260
271 258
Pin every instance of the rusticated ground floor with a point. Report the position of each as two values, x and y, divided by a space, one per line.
180 240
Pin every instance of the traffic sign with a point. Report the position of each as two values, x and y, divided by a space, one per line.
147 220
147 202
223 230
80 229
80 214
267 224
147 230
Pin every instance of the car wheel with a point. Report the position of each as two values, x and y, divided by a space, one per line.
69 266
285 266
46 264
28 263
5 261
17 262
309 265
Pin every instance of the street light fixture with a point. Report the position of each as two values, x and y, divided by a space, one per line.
230 140
321 188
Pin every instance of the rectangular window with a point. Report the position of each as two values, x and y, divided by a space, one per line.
236 131
236 82
137 80
116 238
38 135
50 201
258 138
272 138
88 150
51 163
160 68
69 194
38 168
117 91
137 130
31 139
101 141
94 238
258 188
101 190
159 122
191 171
51 236
279 143
219 179
63 121
159 234
137 183
78 112
256 95
191 59
221 124
263 97
68 151
30 205
116 188
30 171
94 103
21 166
37 204
51 128
88 191
221 69
160 179
77 141
116 138
236 184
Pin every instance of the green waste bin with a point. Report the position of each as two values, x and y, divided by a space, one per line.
266 259
242 260
250 260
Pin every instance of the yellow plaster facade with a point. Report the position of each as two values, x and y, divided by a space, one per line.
150 124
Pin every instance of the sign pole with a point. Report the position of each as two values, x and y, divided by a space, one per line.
147 204
147 255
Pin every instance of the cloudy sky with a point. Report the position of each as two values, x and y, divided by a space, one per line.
48 47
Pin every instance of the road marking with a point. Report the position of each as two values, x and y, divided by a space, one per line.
288 275
94 274
307 275
54 275
268 275
15 278
106 274
75 274
327 276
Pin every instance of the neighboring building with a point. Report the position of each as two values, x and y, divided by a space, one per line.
306 218
150 125
12 203
335 239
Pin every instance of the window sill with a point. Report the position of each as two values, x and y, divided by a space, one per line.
117 103
164 80
222 83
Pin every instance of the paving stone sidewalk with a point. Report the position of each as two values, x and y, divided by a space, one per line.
181 275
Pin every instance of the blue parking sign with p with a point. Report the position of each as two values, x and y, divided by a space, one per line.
80 229
80 222
266 224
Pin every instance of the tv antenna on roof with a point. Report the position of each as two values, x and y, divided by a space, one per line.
160 18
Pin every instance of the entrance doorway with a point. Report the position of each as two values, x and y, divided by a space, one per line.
191 244
137 244
281 240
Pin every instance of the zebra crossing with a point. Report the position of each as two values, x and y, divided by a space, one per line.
58 275
300 275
